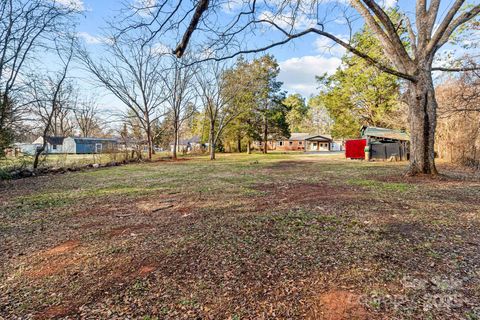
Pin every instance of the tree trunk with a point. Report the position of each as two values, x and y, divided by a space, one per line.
265 134
175 142
212 151
150 143
423 120
39 151
239 144
249 149
212 140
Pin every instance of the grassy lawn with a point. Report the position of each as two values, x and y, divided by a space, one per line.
245 237
65 160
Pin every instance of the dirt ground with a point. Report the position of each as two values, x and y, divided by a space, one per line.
245 237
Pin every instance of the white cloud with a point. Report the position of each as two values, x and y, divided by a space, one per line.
298 74
73 4
286 21
160 48
324 45
144 8
91 39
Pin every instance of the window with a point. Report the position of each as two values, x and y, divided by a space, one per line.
98 148
290 143
300 142
54 147
280 143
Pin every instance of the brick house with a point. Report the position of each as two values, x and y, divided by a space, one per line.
301 142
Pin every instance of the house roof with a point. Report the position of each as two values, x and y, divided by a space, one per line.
300 136
93 139
384 133
55 140
295 136
320 137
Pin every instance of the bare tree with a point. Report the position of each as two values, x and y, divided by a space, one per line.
50 96
216 96
458 133
87 118
182 97
62 124
429 28
25 25
131 69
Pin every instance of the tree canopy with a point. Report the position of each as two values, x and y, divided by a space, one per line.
359 93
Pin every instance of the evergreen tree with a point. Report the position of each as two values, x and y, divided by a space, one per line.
298 114
264 115
358 93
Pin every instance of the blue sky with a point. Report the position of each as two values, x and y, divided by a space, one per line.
300 61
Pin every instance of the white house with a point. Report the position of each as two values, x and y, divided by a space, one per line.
77 145
54 144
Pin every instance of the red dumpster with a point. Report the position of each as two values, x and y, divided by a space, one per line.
355 149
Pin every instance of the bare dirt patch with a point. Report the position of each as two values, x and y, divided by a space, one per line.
145 270
63 248
50 268
338 305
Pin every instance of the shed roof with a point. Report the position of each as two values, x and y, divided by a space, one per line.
55 140
385 133
92 139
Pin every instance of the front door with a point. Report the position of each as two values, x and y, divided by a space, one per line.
324 146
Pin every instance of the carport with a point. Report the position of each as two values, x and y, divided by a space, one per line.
385 143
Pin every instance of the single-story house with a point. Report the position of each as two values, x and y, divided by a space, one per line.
318 142
88 145
303 142
54 144
381 144
77 145
192 144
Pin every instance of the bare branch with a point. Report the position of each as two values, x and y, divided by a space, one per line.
202 6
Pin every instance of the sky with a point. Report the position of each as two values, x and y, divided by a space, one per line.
300 61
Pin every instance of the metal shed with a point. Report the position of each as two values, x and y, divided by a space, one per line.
90 145
386 143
